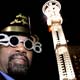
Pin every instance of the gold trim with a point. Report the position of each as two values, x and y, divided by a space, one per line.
15 29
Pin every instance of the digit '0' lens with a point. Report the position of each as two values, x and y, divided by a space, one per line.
13 41
28 44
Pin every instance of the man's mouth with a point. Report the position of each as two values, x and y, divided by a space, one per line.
20 59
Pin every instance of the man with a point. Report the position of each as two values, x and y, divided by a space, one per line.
17 45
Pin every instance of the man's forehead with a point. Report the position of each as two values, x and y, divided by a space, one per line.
20 37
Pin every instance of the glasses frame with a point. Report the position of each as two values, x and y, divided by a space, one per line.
19 41
5 40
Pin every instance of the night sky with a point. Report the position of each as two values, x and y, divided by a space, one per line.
45 63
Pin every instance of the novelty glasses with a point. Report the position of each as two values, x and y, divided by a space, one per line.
13 41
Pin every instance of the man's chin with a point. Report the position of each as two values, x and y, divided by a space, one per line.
18 65
18 74
17 68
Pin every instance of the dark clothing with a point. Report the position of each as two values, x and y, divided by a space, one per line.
1 77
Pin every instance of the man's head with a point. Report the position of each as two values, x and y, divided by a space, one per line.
16 47
15 59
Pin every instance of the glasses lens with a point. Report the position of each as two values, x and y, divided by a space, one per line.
28 44
14 41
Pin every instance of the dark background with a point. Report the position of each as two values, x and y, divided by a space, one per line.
45 66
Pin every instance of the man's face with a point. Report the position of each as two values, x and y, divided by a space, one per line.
15 59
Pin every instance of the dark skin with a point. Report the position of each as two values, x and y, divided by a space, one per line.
12 57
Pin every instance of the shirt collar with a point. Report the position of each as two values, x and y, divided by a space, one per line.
7 77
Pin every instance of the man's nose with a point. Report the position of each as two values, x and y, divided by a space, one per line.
20 48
